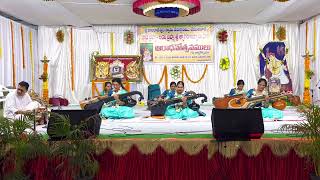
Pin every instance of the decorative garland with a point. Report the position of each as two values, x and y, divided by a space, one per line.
164 75
222 36
224 63
60 36
175 72
281 33
184 72
128 37
31 58
309 74
307 81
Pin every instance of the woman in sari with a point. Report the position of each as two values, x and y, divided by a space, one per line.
116 109
180 110
267 112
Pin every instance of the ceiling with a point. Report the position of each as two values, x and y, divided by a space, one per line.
82 13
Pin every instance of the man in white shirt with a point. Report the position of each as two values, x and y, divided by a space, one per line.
18 102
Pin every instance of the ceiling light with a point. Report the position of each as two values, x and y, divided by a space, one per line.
166 8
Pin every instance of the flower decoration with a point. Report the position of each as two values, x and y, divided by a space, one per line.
281 33
60 36
128 37
222 36
166 8
224 63
44 77
175 72
309 74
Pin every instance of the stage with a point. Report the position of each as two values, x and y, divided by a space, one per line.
160 149
144 124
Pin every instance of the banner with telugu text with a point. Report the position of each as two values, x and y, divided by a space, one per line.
176 43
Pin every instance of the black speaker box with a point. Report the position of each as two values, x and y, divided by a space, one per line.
237 124
91 119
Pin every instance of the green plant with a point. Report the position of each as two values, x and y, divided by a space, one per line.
19 144
309 129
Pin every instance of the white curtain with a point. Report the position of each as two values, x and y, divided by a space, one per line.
249 38
85 42
313 48
20 32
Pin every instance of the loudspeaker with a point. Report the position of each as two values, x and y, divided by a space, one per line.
237 124
91 119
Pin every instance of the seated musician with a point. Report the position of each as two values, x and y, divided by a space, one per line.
116 109
107 91
19 102
238 90
267 112
169 92
180 110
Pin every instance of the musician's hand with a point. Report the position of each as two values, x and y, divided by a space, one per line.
184 100
116 97
267 98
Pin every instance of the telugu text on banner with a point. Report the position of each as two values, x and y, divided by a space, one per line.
176 43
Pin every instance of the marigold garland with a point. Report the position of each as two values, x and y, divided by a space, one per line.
184 72
164 75
281 33
60 36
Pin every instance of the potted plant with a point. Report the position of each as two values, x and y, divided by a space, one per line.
18 145
309 129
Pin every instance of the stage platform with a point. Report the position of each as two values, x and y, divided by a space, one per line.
143 124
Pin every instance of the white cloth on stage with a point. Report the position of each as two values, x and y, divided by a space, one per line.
16 103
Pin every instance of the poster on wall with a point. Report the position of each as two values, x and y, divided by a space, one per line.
128 68
273 65
176 43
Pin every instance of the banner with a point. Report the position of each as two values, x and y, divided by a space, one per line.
273 65
128 68
176 43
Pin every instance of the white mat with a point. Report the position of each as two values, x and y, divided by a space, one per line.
201 125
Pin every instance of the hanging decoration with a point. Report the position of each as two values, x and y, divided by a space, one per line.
164 75
175 72
184 73
44 78
60 36
0 50
166 8
234 58
107 1
222 36
22 47
224 63
31 58
12 56
307 80
128 37
281 33
72 59
309 74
